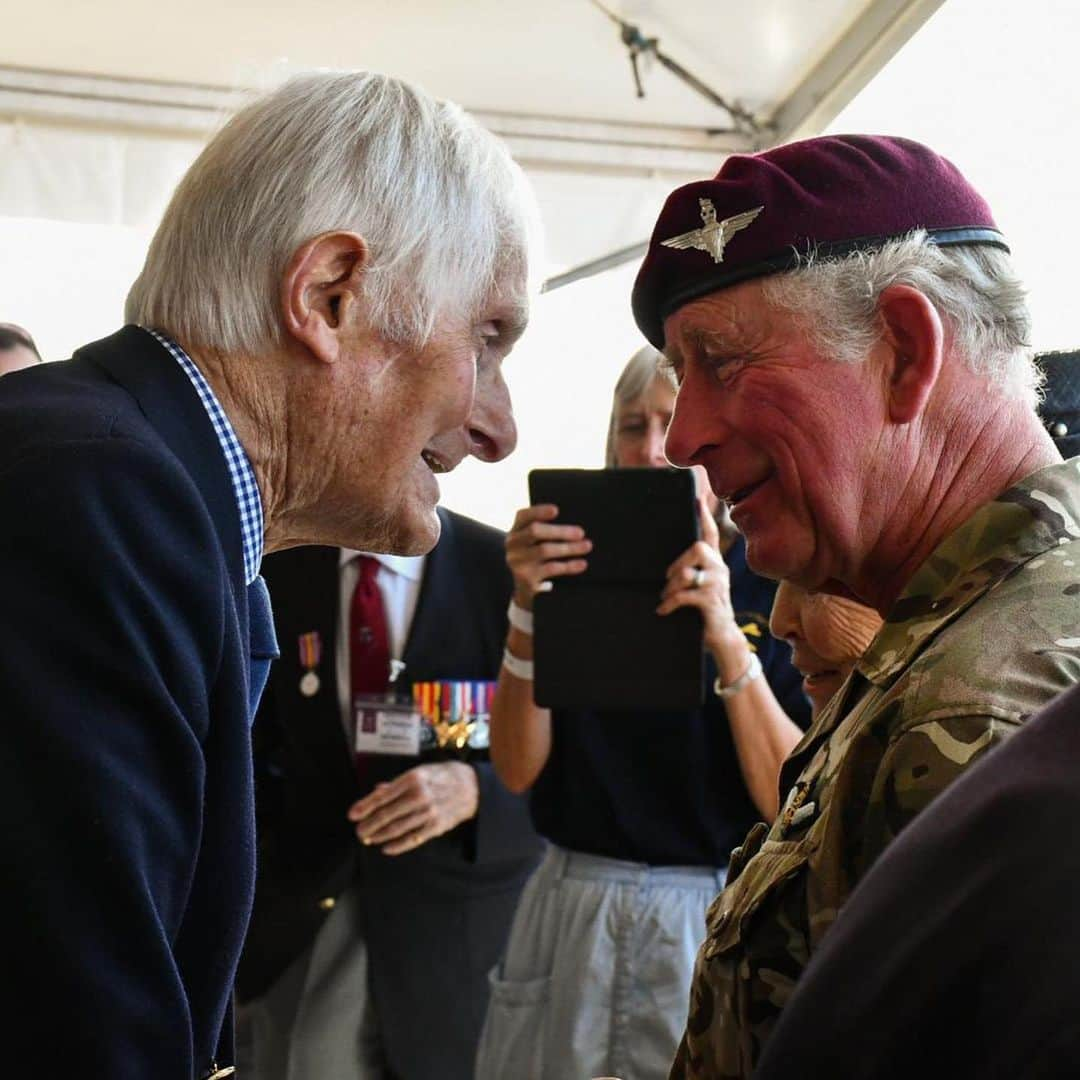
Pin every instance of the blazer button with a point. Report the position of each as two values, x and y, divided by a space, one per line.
327 903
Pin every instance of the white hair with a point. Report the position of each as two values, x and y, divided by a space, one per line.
442 207
974 288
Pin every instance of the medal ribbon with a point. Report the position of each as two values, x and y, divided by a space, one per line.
452 708
310 645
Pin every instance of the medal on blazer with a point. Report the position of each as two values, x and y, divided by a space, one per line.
310 646
455 713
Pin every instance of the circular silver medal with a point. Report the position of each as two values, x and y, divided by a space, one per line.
309 684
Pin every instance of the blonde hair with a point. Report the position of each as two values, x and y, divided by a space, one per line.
644 366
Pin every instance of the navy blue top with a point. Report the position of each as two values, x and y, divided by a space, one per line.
127 672
663 787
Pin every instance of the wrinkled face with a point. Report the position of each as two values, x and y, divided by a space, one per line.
786 435
407 416
641 429
827 634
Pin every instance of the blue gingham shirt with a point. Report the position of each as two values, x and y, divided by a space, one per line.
245 488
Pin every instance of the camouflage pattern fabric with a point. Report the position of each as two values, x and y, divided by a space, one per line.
987 631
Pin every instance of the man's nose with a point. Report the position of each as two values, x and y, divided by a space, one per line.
492 429
688 433
784 621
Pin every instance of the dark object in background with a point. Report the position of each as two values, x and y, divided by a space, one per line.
599 642
1060 409
956 955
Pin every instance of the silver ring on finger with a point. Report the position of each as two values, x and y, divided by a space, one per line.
699 577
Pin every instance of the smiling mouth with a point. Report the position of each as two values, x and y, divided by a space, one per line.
434 462
814 678
743 493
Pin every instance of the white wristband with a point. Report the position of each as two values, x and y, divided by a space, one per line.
752 672
520 619
520 669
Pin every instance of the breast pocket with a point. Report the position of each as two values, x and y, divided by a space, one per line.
746 851
765 871
755 948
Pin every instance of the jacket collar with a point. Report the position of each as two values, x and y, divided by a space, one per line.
442 592
143 367
1033 517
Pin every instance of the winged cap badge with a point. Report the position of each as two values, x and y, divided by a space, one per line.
713 235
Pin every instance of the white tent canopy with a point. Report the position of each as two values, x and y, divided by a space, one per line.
102 107
787 61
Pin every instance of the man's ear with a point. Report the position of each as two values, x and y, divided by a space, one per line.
321 286
916 341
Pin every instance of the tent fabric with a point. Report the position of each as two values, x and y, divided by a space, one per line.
88 175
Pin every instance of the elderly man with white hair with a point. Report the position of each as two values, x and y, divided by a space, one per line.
317 332
851 344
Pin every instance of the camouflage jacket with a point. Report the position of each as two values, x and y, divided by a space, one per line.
986 632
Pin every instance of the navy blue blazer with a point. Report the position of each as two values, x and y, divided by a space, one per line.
125 778
436 919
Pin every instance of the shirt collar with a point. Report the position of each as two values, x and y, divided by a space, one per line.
245 487
407 566
1035 516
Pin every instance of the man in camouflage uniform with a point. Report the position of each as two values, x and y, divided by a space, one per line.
850 342
963 937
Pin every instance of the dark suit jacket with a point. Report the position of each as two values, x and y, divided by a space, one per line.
125 778
958 955
437 918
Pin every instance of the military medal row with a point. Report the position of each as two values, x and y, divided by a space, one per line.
446 714
449 714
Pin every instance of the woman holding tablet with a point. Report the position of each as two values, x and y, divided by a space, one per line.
641 808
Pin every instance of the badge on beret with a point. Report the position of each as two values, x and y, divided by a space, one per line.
713 236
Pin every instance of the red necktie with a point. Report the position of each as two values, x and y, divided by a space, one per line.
369 642
369 650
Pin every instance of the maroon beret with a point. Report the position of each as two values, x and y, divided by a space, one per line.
829 196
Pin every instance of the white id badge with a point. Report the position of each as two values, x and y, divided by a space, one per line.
386 727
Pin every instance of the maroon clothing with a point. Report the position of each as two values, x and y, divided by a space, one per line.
959 953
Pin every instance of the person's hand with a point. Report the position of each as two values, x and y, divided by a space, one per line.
699 578
537 551
416 806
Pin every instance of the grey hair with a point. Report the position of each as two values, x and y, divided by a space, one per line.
443 208
974 288
644 366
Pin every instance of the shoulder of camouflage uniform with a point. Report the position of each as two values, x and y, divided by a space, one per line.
1016 647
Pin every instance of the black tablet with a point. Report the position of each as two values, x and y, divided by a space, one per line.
599 642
